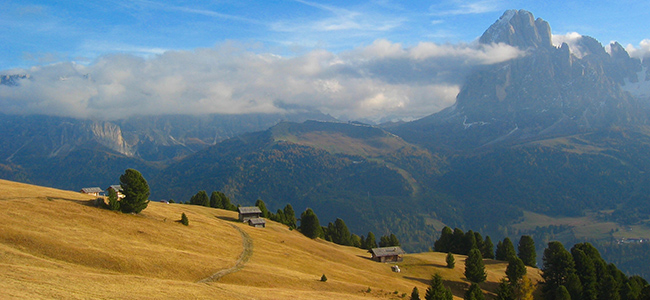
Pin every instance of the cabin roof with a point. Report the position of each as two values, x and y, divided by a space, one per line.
249 210
387 251
116 187
91 190
256 221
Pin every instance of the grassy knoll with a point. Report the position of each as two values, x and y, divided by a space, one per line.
54 244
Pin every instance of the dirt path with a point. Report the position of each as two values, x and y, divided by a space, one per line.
246 254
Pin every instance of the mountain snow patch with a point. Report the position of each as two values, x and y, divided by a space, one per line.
640 89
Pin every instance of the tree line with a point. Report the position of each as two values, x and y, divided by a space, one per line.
336 232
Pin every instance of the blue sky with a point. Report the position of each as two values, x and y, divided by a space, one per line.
371 60
41 32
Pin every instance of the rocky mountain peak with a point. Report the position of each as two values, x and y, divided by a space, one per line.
519 28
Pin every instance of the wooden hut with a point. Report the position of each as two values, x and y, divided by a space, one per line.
387 254
257 222
249 212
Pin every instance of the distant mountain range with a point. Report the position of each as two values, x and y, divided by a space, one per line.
559 131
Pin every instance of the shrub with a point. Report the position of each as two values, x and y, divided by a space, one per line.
184 220
323 278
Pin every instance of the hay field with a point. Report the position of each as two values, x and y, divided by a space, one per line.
55 245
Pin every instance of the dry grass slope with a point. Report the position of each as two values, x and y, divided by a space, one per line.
54 244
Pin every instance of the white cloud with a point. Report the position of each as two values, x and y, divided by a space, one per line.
642 52
372 82
572 39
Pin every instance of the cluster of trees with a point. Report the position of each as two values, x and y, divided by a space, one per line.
459 242
339 233
216 200
136 194
581 273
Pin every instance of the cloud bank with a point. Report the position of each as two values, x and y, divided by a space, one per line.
381 80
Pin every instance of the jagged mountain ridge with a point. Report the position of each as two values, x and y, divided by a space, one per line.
550 91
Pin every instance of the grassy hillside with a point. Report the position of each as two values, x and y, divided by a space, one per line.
55 244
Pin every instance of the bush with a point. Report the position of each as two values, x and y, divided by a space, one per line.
323 278
184 220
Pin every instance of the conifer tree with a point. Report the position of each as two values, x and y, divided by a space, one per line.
215 200
515 270
262 206
505 291
474 267
356 240
443 244
184 220
457 241
370 242
309 224
557 266
451 261
113 202
586 271
488 248
415 294
341 234
437 291
562 294
200 198
526 250
506 250
573 286
290 216
136 192
468 242
474 293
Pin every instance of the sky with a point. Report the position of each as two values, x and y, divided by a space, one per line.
372 60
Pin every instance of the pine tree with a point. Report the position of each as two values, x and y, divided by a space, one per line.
393 241
443 244
309 224
356 240
437 291
262 206
505 291
557 266
506 250
135 190
370 241
113 202
415 294
562 294
474 293
451 262
488 248
290 216
526 251
457 241
341 234
515 270
468 242
573 286
184 220
323 278
586 271
201 198
474 267
215 200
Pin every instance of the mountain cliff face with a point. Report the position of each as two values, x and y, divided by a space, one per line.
550 91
